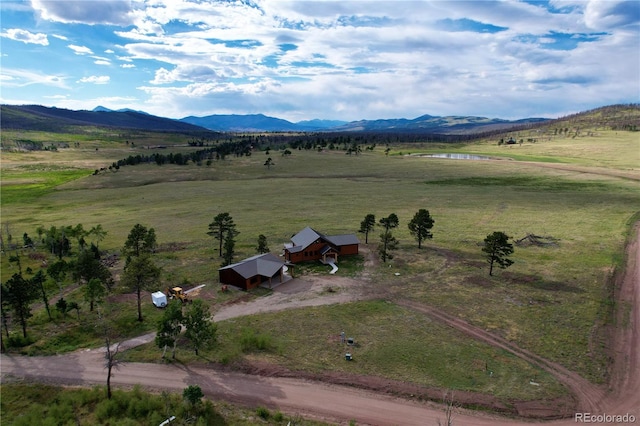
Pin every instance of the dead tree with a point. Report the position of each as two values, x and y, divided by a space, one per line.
450 407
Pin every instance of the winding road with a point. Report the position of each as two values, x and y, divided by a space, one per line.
336 403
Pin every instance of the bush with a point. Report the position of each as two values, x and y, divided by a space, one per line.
18 341
252 341
263 413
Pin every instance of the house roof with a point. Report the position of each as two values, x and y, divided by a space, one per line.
305 237
308 236
262 264
342 240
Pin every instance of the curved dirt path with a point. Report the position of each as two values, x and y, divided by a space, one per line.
339 403
625 375
589 395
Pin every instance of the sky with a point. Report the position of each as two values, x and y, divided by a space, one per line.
337 60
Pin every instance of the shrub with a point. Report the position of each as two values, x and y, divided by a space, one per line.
18 341
252 341
263 413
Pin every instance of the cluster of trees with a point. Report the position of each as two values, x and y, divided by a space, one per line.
496 246
224 230
86 266
208 155
25 287
420 227
200 330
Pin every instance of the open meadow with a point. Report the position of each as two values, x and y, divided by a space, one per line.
580 194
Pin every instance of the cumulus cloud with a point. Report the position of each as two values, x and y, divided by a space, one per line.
115 12
95 79
605 15
360 59
185 72
25 36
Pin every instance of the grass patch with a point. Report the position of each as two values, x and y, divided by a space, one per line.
27 186
390 342
26 404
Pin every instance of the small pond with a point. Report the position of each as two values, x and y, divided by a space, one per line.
457 156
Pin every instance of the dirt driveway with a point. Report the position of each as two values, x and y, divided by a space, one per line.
298 293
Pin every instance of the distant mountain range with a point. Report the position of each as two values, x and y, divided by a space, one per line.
259 123
55 119
36 117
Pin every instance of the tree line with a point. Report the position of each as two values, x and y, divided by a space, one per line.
496 247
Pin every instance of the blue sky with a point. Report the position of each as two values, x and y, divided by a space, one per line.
345 60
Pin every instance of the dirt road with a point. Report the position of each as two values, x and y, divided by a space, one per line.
340 404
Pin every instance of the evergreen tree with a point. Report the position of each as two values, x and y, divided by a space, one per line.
21 293
229 249
367 226
94 292
221 226
262 244
388 243
38 280
139 241
420 226
140 274
387 240
497 249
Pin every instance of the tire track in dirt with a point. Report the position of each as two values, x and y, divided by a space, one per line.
589 396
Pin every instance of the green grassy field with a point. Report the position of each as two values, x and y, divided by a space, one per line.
548 301
390 342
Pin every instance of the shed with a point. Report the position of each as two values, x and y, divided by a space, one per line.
251 272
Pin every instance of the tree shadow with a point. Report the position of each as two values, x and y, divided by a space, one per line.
539 283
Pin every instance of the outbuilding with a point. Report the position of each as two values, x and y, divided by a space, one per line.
253 271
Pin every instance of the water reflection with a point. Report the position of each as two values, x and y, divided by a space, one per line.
457 156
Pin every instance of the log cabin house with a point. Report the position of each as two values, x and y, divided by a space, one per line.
309 244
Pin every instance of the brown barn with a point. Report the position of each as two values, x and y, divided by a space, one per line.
251 272
309 244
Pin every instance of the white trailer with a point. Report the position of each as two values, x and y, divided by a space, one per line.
159 299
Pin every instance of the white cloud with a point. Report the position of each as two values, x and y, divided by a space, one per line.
80 50
22 78
606 15
357 59
183 72
116 12
25 36
95 79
